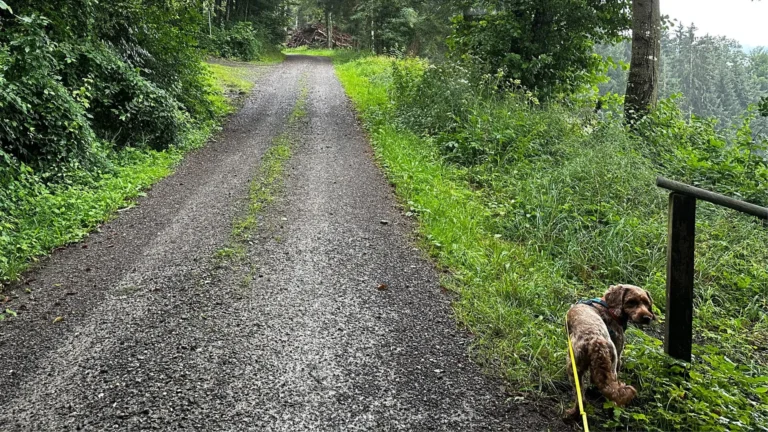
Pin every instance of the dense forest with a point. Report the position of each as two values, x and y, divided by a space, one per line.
503 124
714 75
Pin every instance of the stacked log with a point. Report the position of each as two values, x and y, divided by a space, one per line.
316 36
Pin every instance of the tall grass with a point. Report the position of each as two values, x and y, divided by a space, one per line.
533 208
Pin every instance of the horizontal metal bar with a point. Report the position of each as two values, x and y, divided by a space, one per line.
712 197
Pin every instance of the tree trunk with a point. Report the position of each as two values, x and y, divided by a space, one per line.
329 28
643 82
374 41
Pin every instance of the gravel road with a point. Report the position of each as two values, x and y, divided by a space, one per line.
332 320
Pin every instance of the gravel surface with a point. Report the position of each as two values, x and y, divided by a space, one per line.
332 321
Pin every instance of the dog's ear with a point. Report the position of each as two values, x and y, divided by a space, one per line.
648 293
614 298
650 309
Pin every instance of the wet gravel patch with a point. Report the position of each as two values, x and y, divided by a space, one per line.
333 319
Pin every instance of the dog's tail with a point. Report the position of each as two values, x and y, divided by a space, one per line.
603 360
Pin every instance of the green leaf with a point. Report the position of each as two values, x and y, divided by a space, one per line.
4 6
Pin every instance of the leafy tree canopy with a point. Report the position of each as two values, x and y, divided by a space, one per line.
545 44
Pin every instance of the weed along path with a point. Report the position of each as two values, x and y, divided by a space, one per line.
270 284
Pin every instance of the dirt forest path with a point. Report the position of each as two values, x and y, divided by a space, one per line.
145 326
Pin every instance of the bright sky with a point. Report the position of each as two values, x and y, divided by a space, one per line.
743 20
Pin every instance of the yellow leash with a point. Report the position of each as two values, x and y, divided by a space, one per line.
576 378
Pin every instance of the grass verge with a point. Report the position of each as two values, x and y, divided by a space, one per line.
320 52
232 79
554 217
273 55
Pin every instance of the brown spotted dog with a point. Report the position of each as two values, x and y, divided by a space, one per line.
597 334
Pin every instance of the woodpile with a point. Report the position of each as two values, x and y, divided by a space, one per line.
316 36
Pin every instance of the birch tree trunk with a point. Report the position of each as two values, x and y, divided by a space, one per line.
373 36
643 82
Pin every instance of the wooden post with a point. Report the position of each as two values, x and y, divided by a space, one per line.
680 252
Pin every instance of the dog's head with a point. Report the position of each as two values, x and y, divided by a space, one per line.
631 302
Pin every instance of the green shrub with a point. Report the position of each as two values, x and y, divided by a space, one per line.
428 97
241 41
695 151
63 99
125 108
763 106
89 91
45 124
157 39
549 52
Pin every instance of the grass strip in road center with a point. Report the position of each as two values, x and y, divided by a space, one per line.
268 179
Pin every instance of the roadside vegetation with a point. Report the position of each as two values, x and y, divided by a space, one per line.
533 206
99 101
320 52
234 80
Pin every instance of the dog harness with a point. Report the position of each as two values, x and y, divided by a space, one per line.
601 302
